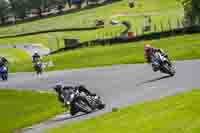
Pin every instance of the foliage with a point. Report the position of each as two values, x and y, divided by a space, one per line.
4 9
192 11
19 8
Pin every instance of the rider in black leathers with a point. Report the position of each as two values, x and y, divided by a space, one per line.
35 57
60 88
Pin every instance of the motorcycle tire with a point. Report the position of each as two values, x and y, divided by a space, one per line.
81 104
168 69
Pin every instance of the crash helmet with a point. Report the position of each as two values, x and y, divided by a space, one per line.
147 48
58 87
35 52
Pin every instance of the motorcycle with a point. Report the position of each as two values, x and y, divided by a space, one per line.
80 102
38 66
4 73
161 63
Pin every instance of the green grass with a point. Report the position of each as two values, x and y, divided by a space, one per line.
86 17
179 48
17 58
23 108
174 114
56 40
14 55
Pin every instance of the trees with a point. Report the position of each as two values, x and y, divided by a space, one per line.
59 4
19 8
69 3
22 8
39 5
4 9
78 3
192 11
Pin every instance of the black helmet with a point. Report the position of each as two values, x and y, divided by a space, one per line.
58 87
81 87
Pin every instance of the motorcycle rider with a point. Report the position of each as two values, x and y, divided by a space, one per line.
60 89
35 57
3 62
149 51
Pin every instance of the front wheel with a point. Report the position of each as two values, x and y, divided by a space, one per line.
80 104
168 69
4 76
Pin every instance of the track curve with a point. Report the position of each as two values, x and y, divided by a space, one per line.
119 85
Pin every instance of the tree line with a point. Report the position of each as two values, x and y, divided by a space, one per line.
191 11
22 8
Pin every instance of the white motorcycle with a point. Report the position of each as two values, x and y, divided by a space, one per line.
161 63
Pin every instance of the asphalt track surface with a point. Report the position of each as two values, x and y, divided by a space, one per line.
119 86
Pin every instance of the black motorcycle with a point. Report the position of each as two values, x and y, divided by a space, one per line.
80 102
38 67
160 62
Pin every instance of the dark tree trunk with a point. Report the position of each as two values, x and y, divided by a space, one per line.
2 20
69 3
40 12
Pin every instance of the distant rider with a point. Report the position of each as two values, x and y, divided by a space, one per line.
149 51
60 89
3 62
35 57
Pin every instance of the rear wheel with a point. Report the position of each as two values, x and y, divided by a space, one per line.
168 69
101 106
2 77
38 69
5 76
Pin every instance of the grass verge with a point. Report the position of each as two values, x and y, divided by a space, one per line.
23 108
86 18
18 59
174 114
161 21
184 47
178 48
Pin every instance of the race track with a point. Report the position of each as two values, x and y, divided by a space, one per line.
119 85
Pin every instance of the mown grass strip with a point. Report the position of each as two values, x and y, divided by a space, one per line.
179 48
174 114
184 47
20 109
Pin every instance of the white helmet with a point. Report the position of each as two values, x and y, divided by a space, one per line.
35 52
